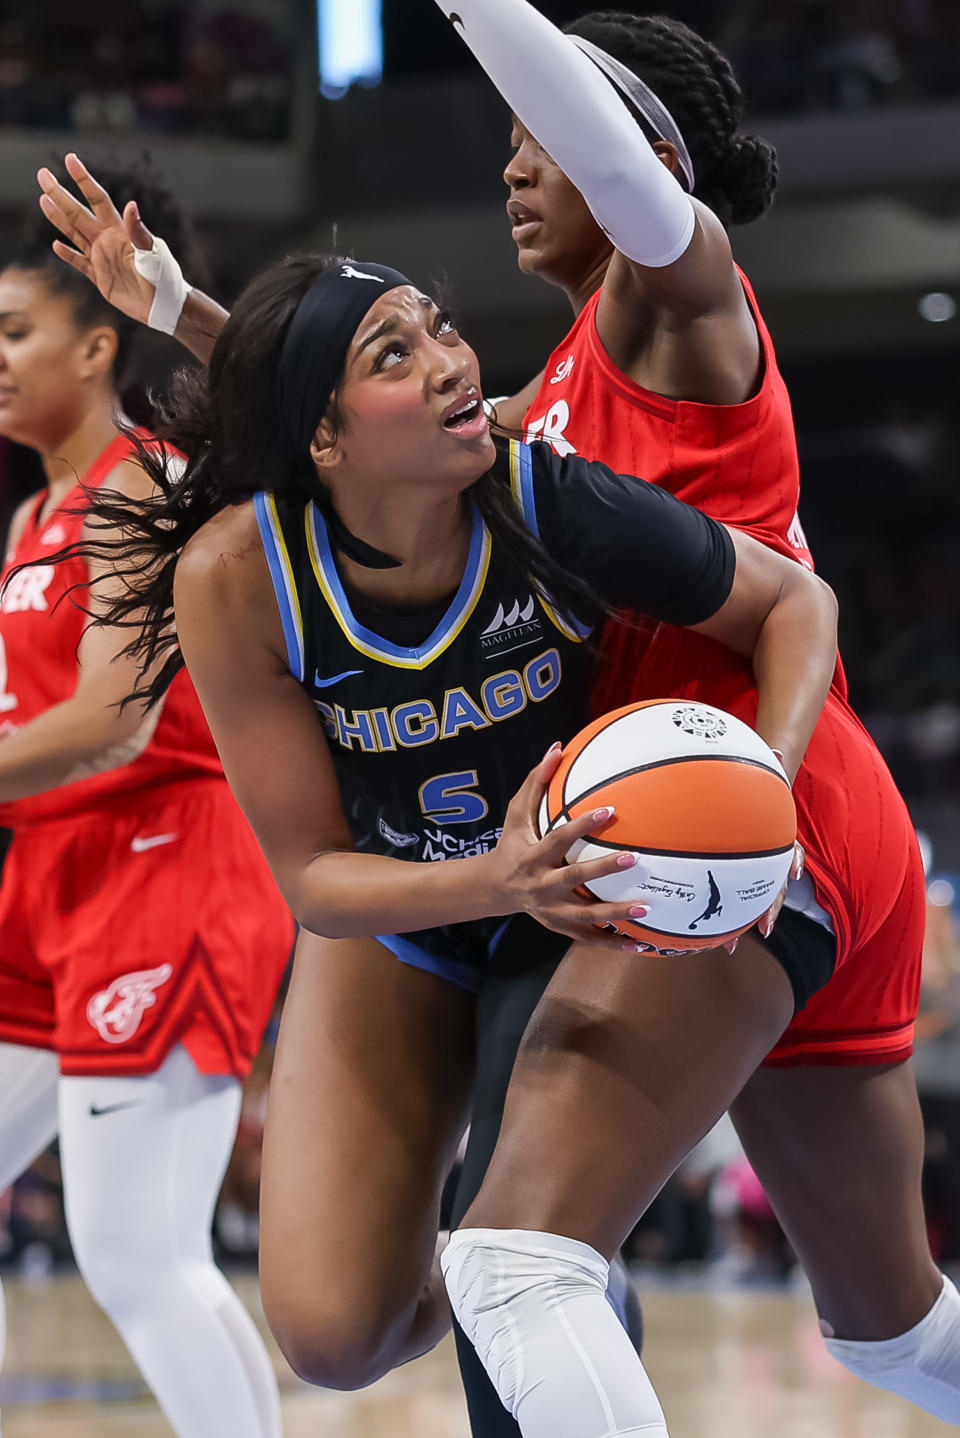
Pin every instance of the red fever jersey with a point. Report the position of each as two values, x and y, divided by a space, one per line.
40 628
739 464
136 910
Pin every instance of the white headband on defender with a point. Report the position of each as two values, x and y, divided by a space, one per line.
653 110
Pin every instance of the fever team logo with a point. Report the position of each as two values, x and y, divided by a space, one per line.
115 1012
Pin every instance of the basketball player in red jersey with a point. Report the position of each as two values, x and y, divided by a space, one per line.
670 372
142 938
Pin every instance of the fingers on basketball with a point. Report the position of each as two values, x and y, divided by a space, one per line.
696 794
557 841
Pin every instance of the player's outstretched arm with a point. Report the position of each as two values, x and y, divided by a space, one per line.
677 247
133 270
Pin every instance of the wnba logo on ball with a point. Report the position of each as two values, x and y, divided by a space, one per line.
704 723
115 1012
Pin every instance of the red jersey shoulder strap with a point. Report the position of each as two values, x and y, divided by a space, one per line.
660 403
119 449
766 339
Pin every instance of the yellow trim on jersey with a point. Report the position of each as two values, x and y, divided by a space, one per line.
392 654
289 583
517 449
515 475
555 617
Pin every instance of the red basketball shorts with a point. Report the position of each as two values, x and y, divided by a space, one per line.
133 928
865 1012
861 852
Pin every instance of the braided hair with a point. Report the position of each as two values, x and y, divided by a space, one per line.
736 175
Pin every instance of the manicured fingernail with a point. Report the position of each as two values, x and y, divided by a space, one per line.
638 912
768 929
800 872
626 861
553 748
600 815
631 948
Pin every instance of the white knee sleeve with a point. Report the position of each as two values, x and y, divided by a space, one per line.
922 1365
534 1307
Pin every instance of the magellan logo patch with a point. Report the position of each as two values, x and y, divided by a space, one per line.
703 723
514 625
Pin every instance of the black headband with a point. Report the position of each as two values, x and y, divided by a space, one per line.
316 345
312 358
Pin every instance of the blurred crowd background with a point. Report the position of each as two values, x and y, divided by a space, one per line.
202 67
253 119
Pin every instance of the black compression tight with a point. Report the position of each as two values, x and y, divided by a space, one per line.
525 962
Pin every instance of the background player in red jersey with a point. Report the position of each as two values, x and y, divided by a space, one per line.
668 370
141 935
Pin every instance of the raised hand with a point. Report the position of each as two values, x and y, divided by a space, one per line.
102 241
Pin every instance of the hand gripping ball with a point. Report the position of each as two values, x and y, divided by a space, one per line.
701 800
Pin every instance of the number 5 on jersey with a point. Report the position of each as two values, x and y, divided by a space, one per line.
449 799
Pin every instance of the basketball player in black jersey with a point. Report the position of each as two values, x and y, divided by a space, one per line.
386 616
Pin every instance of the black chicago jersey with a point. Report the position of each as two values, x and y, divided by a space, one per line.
434 719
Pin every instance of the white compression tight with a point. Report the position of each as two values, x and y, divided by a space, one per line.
534 1307
143 1160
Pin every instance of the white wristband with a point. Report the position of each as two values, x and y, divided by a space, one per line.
159 267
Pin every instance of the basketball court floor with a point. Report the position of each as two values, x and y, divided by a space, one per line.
739 1364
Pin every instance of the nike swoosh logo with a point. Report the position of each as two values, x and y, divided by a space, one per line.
96 1112
335 679
140 846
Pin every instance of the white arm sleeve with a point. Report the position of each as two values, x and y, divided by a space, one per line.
576 115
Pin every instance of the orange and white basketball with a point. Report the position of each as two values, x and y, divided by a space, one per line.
701 800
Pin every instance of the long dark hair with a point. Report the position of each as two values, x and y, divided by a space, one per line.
225 421
736 175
